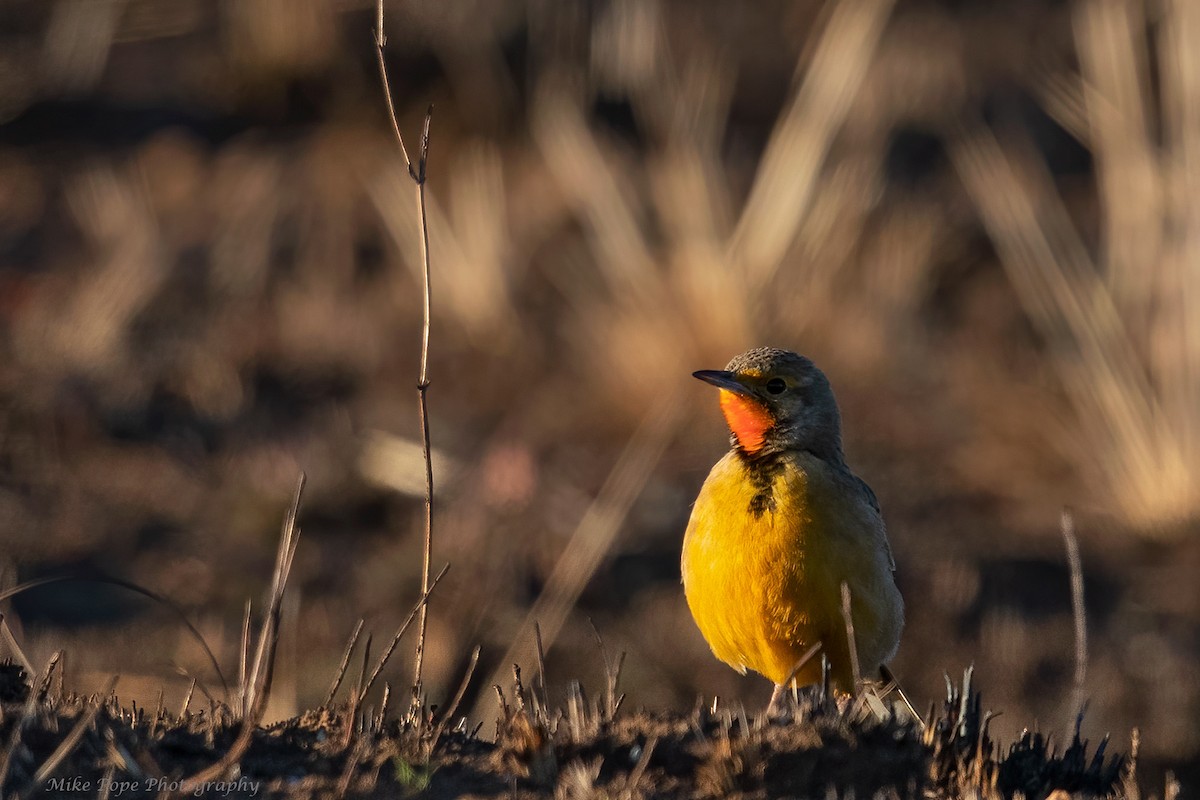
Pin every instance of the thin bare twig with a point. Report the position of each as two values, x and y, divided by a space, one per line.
422 390
380 42
417 173
341 672
890 684
387 654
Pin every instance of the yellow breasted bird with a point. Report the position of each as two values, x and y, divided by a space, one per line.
780 524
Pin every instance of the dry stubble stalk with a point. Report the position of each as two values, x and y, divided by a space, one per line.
417 173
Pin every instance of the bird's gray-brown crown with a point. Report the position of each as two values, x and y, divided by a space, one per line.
765 360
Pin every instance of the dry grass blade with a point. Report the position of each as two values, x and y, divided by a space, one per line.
384 704
595 534
1062 98
258 685
193 684
387 654
55 688
341 670
539 686
187 699
72 739
43 688
261 673
1110 41
851 641
362 672
357 695
612 676
788 173
244 660
458 696
1078 612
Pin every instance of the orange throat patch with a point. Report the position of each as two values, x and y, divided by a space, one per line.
747 418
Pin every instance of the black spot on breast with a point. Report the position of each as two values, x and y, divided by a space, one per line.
762 503
762 472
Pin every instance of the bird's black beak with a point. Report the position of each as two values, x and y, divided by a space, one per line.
722 379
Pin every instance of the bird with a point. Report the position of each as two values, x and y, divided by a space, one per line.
783 534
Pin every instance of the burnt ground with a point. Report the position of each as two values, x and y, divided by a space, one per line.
65 745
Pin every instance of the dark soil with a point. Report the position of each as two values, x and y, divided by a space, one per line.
586 750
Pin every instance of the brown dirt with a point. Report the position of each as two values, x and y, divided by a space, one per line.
588 750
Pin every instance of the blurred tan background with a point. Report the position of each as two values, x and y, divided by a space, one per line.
981 219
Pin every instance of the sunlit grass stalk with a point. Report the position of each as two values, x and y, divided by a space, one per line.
787 177
1122 326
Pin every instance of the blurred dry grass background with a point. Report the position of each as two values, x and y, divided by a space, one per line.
983 220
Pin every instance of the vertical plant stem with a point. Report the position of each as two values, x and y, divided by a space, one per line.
417 173
423 402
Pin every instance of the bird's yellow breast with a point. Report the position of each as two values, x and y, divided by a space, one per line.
764 557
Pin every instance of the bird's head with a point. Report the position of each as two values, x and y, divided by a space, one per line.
775 400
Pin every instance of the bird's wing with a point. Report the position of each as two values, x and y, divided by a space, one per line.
869 494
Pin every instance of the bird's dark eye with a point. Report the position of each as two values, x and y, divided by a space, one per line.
776 386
